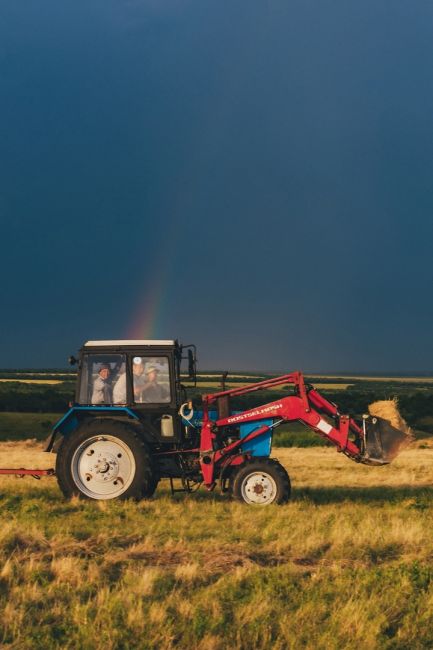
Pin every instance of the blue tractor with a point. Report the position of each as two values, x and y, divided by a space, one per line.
131 424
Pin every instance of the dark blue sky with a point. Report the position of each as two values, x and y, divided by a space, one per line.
252 176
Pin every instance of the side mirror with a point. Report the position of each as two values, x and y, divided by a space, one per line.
72 361
191 364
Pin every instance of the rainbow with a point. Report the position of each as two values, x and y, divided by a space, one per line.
149 314
149 319
146 322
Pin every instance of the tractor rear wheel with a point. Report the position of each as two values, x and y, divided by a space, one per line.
105 460
261 481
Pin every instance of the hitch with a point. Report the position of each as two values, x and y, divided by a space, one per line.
21 472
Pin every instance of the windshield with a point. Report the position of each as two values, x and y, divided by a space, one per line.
151 380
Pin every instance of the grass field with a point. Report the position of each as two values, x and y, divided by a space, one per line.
19 426
346 564
22 426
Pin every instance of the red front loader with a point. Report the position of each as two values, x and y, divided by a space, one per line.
373 441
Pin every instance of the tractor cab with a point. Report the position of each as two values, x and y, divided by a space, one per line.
135 378
143 374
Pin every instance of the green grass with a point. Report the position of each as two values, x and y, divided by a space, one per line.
20 426
296 435
415 397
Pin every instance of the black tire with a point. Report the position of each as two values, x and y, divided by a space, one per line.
261 478
136 477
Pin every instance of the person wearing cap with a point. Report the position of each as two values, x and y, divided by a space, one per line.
153 391
102 386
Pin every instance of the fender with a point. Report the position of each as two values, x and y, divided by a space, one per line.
71 420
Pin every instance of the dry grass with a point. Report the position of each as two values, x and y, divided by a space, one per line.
346 564
26 453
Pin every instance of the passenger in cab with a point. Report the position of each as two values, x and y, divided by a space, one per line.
152 390
119 388
138 378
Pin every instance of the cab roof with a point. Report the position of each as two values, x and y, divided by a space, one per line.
133 342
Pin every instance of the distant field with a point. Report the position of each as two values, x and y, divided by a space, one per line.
409 380
216 385
346 564
32 373
213 380
33 381
50 392
215 377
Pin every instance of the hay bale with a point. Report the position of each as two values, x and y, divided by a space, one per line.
387 432
388 410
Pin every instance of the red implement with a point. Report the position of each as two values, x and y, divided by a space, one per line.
306 406
36 473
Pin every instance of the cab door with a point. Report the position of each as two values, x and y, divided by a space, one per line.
154 392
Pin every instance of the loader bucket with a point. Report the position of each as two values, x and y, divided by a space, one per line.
382 441
385 433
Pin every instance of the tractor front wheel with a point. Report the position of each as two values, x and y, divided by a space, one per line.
105 461
261 481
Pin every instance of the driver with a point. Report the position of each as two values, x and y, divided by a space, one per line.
102 386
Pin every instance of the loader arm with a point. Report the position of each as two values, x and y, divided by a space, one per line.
306 405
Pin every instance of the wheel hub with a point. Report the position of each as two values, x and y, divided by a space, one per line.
103 467
259 488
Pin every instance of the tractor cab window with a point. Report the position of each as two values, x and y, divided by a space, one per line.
103 379
151 380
